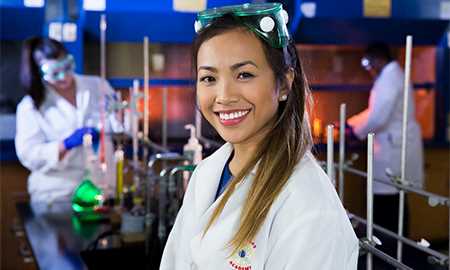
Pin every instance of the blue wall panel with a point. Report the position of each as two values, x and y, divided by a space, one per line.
20 23
132 20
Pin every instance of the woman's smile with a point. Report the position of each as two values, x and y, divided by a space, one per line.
232 117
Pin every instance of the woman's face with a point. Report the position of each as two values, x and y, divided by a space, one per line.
236 87
58 72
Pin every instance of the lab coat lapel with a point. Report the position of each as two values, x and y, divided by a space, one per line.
213 245
208 179
82 96
66 110
207 183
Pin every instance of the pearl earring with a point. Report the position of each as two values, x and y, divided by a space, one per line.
283 98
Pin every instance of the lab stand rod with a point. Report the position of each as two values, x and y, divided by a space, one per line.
383 256
440 199
369 228
330 154
146 97
146 88
342 118
401 204
439 256
103 46
158 148
135 122
164 117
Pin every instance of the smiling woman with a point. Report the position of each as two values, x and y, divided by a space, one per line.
261 201
237 92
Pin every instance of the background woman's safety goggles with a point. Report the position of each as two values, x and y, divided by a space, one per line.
57 70
267 20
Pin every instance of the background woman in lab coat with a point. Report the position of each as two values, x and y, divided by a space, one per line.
384 117
261 201
59 108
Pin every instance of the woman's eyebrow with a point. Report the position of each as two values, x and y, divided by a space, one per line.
233 67
240 64
209 68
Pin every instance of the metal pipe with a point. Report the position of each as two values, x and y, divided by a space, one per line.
146 97
401 204
342 118
440 256
173 189
330 154
162 209
103 46
164 117
150 183
383 256
102 150
135 121
369 196
147 142
438 198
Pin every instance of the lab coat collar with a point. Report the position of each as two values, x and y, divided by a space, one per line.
83 95
208 177
389 67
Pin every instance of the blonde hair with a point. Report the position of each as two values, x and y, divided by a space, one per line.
283 147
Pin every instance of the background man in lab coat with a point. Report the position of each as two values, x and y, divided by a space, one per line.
384 117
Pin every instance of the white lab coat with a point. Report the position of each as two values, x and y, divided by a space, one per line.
384 117
39 132
306 228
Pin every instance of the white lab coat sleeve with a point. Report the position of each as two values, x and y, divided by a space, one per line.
32 147
311 242
383 98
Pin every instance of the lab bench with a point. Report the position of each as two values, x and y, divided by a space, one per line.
57 239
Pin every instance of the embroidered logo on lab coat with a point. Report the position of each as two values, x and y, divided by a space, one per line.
242 259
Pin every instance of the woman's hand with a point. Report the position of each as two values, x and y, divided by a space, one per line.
76 138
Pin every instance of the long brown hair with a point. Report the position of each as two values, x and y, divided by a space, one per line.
33 50
283 147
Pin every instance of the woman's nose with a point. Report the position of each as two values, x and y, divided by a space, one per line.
225 94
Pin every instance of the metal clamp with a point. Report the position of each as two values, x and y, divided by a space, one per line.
25 253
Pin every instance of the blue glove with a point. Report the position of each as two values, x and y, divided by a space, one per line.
349 133
76 139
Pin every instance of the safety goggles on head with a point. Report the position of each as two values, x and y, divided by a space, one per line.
267 20
57 70
366 63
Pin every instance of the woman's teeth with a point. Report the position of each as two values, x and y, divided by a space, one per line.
233 115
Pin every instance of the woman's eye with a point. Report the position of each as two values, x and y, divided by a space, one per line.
207 79
245 75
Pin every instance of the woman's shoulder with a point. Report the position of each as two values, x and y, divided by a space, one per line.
25 104
309 197
93 84
310 188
